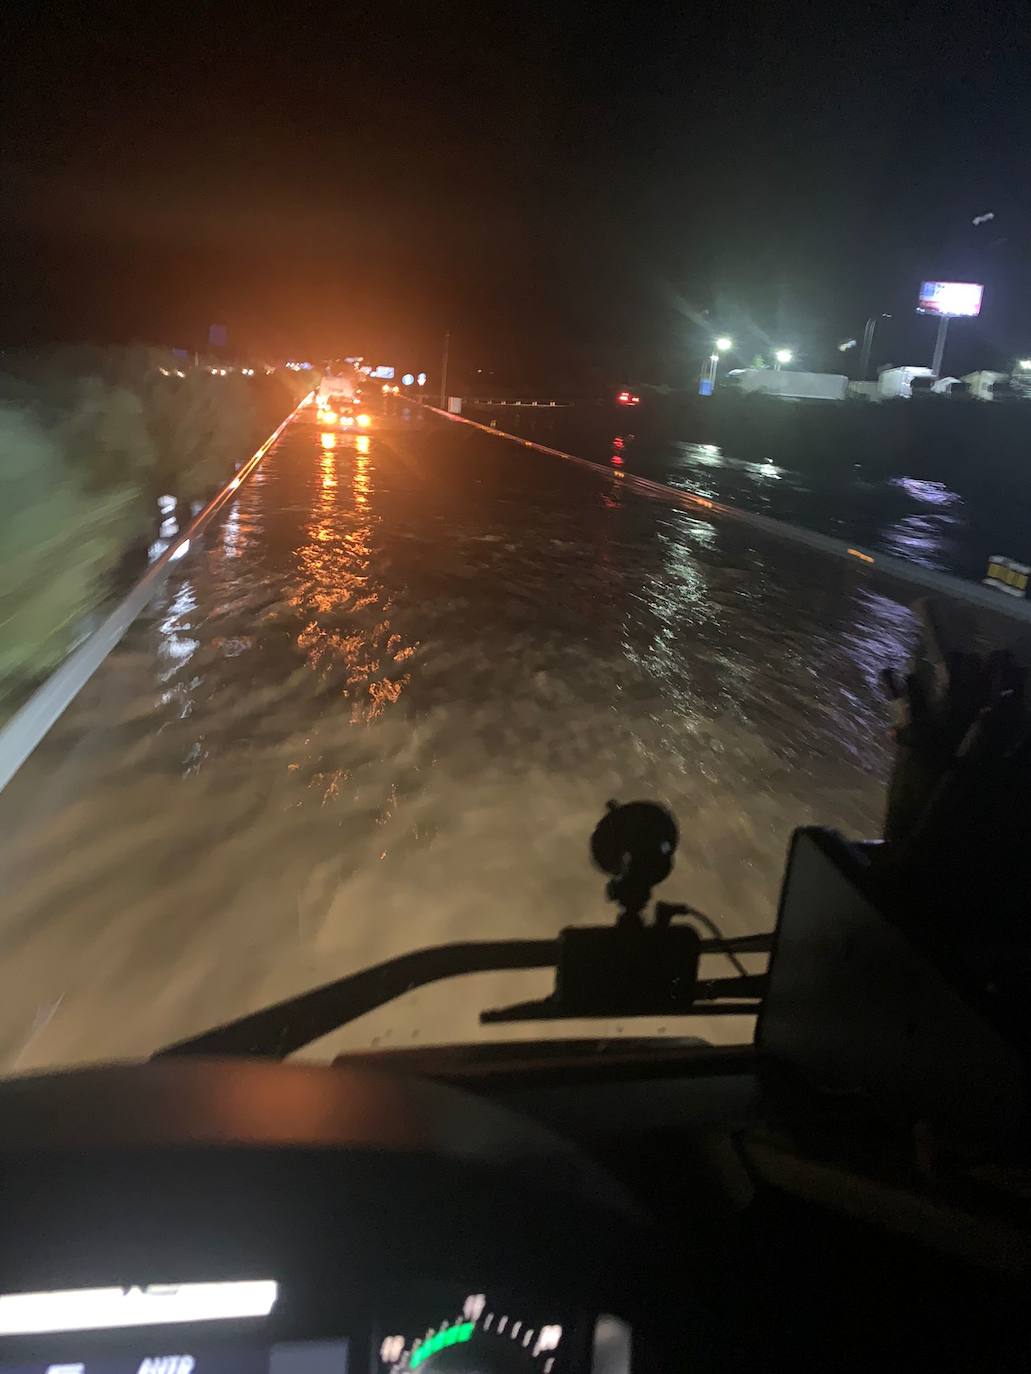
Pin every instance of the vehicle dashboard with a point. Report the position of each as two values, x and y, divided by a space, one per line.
397 1224
431 1327
618 1212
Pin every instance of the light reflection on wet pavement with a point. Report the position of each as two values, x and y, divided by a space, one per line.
917 519
382 705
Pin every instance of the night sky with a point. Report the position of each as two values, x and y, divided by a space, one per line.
565 187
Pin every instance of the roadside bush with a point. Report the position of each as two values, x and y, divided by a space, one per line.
89 438
59 544
107 442
201 425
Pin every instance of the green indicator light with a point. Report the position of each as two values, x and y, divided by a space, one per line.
453 1335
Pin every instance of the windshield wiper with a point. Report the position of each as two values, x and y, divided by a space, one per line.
288 1026
582 990
631 968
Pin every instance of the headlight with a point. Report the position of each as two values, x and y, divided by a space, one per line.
364 421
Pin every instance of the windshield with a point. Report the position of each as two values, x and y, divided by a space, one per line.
378 698
380 706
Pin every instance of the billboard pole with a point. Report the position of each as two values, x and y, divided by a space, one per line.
939 345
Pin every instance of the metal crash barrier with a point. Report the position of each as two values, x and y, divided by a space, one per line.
48 703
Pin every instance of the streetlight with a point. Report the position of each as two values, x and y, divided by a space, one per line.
721 345
782 356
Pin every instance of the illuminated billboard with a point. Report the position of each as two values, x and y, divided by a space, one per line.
382 373
952 298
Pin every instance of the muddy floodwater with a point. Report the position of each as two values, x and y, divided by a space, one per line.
382 703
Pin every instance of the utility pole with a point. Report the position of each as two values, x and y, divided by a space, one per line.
864 360
443 371
864 357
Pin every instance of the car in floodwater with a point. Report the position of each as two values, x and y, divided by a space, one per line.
335 387
345 413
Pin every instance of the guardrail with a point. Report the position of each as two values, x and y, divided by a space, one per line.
864 559
485 401
49 702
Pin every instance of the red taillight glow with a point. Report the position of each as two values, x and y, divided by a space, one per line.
617 460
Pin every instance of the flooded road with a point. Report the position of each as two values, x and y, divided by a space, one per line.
382 704
951 525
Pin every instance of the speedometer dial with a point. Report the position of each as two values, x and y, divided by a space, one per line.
485 1334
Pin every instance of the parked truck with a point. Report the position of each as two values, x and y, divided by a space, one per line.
896 383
